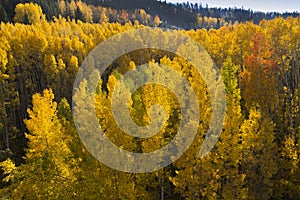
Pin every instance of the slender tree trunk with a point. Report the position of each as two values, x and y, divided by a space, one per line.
161 185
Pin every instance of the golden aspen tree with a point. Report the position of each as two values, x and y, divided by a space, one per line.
50 68
259 162
229 148
71 9
156 20
288 176
48 159
195 177
103 17
115 184
29 13
62 7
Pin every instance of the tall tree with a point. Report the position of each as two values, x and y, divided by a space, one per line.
49 165
28 13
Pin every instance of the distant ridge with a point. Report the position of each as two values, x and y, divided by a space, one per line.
181 15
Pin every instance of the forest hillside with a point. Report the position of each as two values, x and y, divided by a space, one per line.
42 46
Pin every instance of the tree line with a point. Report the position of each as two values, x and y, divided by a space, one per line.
192 16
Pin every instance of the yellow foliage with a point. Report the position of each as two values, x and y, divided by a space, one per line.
29 13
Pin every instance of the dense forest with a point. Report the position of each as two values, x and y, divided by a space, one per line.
42 157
